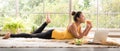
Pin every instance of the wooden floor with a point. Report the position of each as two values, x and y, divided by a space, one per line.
45 43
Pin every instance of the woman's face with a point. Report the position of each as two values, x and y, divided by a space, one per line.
81 18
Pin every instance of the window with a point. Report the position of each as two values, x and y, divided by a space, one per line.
103 13
37 9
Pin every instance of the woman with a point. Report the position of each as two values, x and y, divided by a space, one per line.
75 27
73 30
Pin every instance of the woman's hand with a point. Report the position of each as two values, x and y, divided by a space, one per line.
89 24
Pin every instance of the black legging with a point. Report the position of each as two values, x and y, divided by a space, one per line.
38 33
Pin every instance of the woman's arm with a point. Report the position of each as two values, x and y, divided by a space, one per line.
88 28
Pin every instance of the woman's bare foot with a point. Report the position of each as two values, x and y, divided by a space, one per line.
48 20
7 36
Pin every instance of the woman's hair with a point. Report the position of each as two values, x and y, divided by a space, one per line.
76 15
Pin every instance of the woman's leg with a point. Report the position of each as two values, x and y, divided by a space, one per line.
25 35
45 35
41 28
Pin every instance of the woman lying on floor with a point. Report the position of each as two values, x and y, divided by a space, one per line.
73 30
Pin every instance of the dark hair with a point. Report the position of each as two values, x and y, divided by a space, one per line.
76 15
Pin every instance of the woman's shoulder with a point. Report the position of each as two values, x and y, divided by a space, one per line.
72 25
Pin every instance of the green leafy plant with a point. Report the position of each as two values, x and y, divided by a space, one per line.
13 27
79 41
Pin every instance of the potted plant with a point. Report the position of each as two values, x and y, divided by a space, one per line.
13 27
